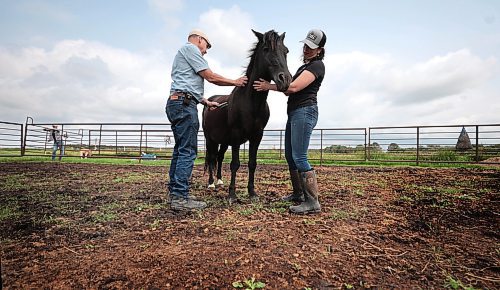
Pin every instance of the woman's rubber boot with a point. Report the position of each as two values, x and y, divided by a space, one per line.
311 204
298 193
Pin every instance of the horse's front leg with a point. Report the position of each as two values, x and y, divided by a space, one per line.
252 165
235 165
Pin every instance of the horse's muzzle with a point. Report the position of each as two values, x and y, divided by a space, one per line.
283 81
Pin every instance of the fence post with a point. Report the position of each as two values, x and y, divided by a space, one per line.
23 150
367 146
100 137
418 145
140 145
281 141
116 143
22 140
365 157
321 148
477 143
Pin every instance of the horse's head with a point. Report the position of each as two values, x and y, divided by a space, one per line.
269 59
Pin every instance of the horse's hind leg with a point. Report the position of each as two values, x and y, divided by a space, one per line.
220 158
211 162
235 165
252 165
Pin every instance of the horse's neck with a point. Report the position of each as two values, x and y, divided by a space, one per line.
248 101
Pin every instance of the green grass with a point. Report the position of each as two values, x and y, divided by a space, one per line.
9 210
437 158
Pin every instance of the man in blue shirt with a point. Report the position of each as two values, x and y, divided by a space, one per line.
189 71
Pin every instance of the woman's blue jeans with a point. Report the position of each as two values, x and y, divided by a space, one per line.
185 126
299 127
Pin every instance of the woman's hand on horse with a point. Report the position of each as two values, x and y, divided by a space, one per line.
261 85
241 82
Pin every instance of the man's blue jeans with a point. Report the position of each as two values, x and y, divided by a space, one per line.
57 145
299 127
185 126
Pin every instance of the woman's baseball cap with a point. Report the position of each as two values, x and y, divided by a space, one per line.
200 33
315 38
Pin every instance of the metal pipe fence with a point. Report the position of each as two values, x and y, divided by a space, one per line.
11 139
435 144
408 144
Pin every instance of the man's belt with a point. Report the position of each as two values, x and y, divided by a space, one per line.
187 97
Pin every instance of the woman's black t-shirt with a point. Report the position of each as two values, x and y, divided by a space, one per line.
308 95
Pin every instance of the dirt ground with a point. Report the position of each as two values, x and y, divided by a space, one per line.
88 226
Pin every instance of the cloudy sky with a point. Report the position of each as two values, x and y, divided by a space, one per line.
388 62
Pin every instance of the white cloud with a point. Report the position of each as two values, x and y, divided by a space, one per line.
230 34
364 90
167 10
81 81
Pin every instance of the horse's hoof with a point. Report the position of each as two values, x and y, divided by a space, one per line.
220 182
211 186
254 198
232 200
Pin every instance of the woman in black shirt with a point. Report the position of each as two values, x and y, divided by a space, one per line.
302 113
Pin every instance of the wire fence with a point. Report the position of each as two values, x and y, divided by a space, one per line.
409 144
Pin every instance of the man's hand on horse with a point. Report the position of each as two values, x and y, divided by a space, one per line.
241 82
210 104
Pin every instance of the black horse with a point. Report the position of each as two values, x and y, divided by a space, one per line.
245 112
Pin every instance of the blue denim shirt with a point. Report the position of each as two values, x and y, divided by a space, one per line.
185 78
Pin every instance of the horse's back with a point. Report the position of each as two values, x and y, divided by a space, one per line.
219 98
215 126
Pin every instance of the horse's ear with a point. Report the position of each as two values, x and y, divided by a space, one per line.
259 35
282 36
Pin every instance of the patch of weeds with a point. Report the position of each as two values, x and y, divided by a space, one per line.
348 286
405 198
147 206
338 214
90 246
450 191
9 210
104 217
245 211
250 210
456 284
359 192
296 267
309 221
279 207
485 190
249 284
223 221
154 225
467 197
15 182
380 183
231 235
130 178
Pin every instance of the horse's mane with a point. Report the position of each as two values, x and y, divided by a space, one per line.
270 38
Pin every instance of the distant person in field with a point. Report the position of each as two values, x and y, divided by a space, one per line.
189 71
56 137
302 113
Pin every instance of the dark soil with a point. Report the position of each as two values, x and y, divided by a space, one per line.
81 226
